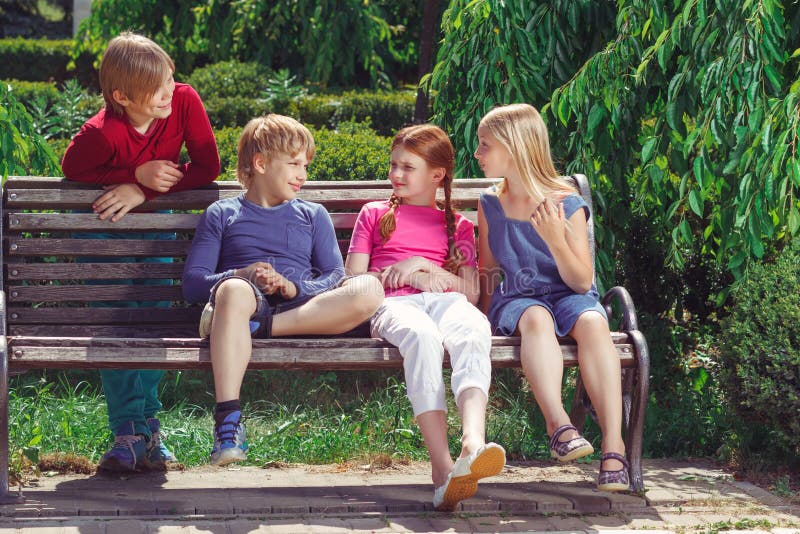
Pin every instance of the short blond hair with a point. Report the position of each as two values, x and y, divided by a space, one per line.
135 66
270 136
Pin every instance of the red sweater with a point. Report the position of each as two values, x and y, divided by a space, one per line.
108 149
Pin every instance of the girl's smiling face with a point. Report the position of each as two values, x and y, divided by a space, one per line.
495 161
412 178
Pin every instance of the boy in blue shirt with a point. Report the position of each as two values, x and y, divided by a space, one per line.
269 265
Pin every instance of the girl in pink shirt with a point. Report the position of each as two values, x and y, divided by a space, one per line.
425 258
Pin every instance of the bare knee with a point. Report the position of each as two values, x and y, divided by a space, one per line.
234 294
536 320
367 293
590 326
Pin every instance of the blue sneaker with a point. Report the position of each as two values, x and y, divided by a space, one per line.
230 440
157 452
129 452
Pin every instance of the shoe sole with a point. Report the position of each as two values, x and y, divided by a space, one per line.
224 458
113 466
574 454
613 487
488 464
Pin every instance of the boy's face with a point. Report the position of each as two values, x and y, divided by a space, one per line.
158 106
281 177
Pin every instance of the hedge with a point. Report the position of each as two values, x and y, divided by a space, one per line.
354 153
43 60
383 112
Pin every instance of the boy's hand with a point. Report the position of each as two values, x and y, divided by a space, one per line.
159 175
271 281
431 282
117 201
399 274
549 222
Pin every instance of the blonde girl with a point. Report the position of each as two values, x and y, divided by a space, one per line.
538 282
425 258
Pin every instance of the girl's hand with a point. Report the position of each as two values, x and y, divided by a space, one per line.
117 201
550 223
431 282
399 274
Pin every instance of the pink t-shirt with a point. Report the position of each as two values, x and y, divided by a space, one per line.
420 231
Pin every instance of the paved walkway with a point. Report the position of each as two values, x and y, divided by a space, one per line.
682 497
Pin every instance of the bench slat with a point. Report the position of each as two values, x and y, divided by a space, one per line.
339 353
102 316
93 271
19 246
88 222
345 198
14 183
139 222
86 293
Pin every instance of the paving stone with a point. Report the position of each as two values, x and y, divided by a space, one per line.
490 524
123 526
246 526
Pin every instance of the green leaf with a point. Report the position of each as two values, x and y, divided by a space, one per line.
596 116
794 220
699 170
648 148
696 202
686 231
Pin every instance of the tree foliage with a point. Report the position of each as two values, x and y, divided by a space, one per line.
324 41
688 115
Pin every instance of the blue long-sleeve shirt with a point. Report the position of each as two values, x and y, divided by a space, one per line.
297 238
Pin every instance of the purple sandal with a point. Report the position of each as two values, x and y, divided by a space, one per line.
572 449
613 480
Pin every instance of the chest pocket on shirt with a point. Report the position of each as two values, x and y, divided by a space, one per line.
298 239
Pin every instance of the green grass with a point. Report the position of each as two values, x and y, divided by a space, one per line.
292 417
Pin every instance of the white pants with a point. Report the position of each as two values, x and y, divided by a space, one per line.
422 326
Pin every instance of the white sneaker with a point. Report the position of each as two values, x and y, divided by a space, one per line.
205 320
462 482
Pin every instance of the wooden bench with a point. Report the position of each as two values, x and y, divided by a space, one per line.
47 321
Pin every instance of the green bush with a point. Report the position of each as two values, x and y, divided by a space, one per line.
44 60
353 153
383 112
22 150
229 79
760 347
27 92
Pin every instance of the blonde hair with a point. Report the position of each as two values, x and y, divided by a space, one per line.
135 66
521 131
430 143
270 136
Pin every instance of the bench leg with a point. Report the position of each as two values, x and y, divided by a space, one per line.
5 495
640 393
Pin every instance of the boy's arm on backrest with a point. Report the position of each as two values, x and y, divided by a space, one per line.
326 259
87 156
204 166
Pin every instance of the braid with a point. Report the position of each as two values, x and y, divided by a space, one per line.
387 222
455 258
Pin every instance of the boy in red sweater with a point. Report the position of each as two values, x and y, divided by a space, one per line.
132 147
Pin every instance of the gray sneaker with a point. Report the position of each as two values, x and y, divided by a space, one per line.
230 440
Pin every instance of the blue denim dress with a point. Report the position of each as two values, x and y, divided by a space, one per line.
529 273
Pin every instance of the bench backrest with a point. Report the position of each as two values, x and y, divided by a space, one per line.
59 282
